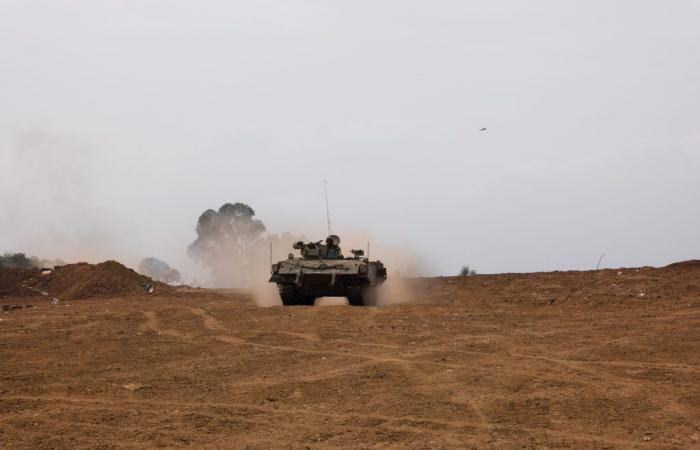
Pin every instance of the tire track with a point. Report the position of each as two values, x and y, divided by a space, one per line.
416 422
210 323
153 324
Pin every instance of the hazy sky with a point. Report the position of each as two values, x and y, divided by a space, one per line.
121 121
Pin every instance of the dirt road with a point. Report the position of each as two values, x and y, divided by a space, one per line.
606 359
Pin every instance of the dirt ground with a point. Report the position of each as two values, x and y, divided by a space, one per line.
607 359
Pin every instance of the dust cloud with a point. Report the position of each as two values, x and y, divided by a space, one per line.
48 187
56 192
233 246
57 203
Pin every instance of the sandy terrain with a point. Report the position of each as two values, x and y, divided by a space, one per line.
607 359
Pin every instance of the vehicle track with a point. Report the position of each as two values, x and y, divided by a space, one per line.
417 423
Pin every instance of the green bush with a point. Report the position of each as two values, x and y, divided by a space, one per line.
17 260
466 271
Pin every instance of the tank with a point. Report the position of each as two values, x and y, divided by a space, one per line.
323 271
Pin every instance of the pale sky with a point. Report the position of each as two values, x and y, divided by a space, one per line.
121 121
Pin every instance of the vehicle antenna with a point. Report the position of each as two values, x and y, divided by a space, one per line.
328 211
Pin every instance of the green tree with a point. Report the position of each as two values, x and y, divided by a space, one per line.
17 260
224 242
466 271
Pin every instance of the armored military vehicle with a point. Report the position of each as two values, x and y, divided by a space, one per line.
323 271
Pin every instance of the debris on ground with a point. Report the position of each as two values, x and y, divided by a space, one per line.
13 306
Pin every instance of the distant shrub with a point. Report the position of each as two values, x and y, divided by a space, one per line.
17 260
22 261
159 270
466 271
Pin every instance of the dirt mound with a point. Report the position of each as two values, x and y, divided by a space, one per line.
598 288
690 264
77 281
12 279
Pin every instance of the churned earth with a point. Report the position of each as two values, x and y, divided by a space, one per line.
606 359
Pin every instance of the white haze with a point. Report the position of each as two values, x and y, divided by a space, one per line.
120 122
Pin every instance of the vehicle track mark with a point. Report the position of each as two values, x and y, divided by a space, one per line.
329 374
480 414
210 323
153 324
390 421
230 339
310 337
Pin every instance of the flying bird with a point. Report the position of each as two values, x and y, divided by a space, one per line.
482 129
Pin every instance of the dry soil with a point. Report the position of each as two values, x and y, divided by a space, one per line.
607 359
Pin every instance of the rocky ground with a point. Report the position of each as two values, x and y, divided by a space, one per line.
607 359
